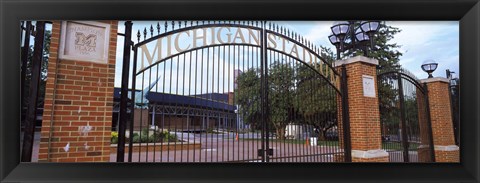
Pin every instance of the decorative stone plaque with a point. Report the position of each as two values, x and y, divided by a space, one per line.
84 41
368 86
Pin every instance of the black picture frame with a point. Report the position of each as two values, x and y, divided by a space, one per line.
12 12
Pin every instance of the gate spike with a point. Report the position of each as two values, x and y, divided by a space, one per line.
151 30
269 25
191 23
173 25
185 23
256 23
138 36
179 24
144 33
166 26
158 27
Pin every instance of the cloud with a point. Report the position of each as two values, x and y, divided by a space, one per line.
437 40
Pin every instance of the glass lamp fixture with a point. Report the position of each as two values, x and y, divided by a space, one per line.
352 35
334 40
340 29
361 37
429 66
370 26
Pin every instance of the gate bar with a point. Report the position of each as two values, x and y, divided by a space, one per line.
402 119
346 117
31 114
123 95
266 109
25 50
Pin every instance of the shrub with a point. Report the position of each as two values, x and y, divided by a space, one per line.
136 138
145 132
114 138
144 138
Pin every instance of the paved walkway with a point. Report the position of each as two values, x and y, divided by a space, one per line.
231 150
225 148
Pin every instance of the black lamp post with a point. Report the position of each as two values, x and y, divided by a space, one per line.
452 77
429 66
348 35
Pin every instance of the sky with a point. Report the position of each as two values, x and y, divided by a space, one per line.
419 41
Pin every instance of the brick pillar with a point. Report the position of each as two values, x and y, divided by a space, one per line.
441 120
363 109
77 116
424 150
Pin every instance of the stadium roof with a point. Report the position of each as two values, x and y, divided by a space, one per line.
217 101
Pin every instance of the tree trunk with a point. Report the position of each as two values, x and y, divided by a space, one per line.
281 133
321 135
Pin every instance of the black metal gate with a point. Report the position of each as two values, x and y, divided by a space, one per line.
405 117
33 77
228 91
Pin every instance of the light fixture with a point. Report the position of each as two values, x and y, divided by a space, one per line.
429 66
352 35
451 75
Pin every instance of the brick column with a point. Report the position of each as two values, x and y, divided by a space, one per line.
441 120
423 150
363 110
77 115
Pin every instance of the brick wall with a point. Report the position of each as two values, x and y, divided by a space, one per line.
364 112
78 105
441 119
440 113
364 115
447 156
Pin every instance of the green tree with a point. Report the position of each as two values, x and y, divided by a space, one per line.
316 100
280 96
248 97
388 57
384 51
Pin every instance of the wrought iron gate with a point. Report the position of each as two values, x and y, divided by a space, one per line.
405 117
228 91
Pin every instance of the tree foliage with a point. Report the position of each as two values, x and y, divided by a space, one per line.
298 94
43 72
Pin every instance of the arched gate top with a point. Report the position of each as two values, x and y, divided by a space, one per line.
278 39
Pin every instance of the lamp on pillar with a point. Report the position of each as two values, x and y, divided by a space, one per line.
429 66
451 76
352 35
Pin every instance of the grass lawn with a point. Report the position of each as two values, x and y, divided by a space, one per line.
398 146
296 141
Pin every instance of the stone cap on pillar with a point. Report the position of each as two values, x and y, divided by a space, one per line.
355 59
435 79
